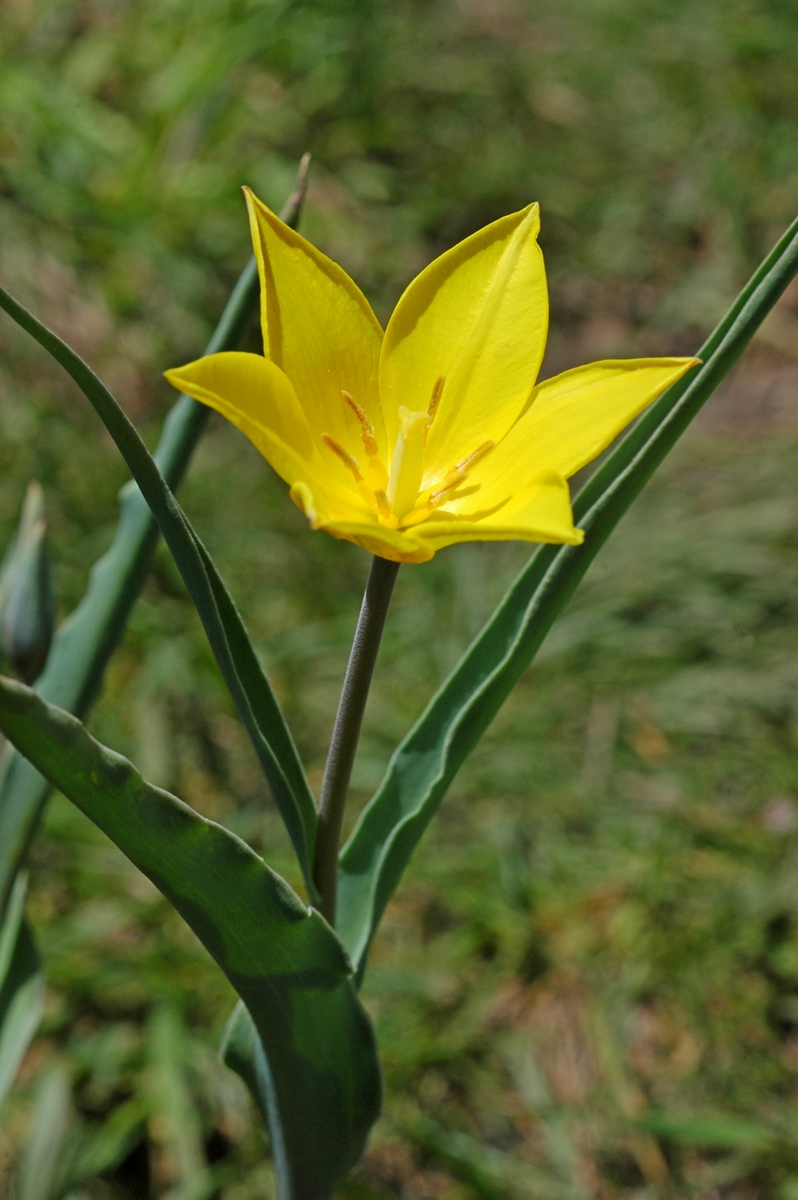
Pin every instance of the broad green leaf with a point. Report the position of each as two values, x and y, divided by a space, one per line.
21 988
428 758
242 1053
85 642
234 653
316 1042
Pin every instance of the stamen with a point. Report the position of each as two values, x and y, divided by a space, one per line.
434 401
435 398
458 474
384 514
345 457
382 502
475 457
452 481
366 427
377 475
416 516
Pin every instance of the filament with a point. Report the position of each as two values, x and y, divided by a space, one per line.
366 427
345 457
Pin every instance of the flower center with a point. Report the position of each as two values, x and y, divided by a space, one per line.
407 466
395 496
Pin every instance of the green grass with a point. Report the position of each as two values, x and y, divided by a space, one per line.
588 984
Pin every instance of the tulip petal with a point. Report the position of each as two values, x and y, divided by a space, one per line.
251 392
540 512
257 397
478 315
318 328
572 418
362 527
384 543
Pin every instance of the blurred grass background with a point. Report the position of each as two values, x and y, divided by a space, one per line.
588 983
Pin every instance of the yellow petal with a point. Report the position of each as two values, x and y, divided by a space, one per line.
318 328
324 507
258 399
251 392
361 528
478 315
540 512
571 419
385 543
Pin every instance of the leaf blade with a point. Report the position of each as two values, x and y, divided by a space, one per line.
87 639
235 656
282 958
427 759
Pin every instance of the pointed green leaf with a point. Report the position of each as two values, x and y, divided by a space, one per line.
234 653
27 607
316 1042
85 642
427 760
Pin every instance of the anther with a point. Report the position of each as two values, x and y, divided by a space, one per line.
452 481
435 398
366 427
458 474
345 457
475 457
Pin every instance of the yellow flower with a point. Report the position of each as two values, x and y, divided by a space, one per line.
435 431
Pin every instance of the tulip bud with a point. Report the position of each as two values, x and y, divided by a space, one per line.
27 608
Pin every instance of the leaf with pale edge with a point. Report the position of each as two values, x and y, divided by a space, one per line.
239 664
88 638
427 760
317 1051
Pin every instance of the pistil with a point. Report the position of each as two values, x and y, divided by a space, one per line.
404 480
395 497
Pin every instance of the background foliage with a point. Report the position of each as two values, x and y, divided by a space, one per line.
588 985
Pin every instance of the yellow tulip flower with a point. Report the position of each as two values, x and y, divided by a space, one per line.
435 431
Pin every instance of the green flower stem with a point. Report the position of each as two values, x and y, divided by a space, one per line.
346 731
